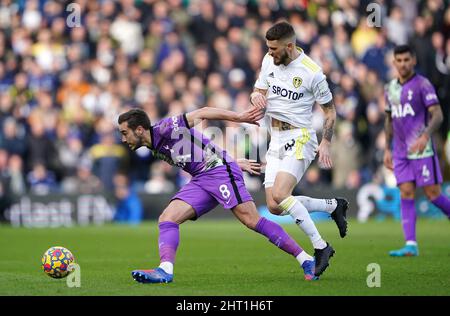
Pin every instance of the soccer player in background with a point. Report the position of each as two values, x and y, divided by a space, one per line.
413 113
288 85
216 179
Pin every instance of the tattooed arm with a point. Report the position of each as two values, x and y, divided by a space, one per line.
327 135
435 121
388 130
432 126
330 120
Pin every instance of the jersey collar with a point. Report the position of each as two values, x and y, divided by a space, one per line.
410 78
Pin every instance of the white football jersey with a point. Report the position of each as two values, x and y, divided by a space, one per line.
293 89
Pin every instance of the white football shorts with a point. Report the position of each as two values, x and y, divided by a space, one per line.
290 151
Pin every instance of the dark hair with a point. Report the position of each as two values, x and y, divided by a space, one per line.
134 118
401 49
280 30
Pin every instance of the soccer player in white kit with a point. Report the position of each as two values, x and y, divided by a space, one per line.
288 85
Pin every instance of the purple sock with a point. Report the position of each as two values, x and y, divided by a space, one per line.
443 203
169 237
278 236
409 219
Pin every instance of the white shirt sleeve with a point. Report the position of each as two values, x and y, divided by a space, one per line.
321 91
261 82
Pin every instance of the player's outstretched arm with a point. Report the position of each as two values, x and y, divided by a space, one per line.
252 115
436 119
327 134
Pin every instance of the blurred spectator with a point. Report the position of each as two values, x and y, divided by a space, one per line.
158 183
4 156
202 25
129 33
313 178
5 194
374 57
83 182
49 55
69 148
236 79
346 153
41 180
363 38
5 79
73 84
32 17
41 149
12 138
396 26
420 41
341 44
129 207
107 156
20 91
17 185
353 180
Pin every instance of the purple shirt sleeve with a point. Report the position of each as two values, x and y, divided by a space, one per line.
428 93
172 124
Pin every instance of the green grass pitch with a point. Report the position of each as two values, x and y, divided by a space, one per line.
225 258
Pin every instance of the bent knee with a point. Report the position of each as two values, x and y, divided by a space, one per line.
432 194
407 190
279 196
407 194
168 217
273 208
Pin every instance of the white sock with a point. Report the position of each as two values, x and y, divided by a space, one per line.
167 267
411 243
302 218
303 256
317 205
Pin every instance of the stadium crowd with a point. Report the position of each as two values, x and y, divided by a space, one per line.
63 84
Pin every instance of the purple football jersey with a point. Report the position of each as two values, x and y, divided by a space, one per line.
174 142
408 105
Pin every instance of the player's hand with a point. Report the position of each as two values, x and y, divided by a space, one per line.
258 100
387 159
420 144
251 166
251 115
323 150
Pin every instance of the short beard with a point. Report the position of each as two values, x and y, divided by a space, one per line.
283 59
139 142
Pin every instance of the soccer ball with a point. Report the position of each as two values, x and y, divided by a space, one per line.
56 262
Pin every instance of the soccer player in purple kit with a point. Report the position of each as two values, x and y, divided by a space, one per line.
216 178
413 114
